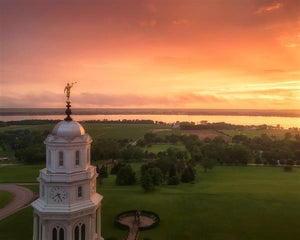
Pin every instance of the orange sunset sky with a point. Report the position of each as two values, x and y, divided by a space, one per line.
160 54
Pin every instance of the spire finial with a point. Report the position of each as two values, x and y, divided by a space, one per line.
67 91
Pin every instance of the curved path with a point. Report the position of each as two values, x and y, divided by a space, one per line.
22 197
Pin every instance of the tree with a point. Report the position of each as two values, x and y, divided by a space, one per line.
105 149
188 175
240 154
207 163
132 153
180 165
240 139
156 175
196 154
172 171
149 138
164 164
125 176
174 180
288 135
102 171
115 169
147 182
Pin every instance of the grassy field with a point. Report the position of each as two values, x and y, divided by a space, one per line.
115 131
206 133
278 133
119 131
155 148
5 198
234 203
19 173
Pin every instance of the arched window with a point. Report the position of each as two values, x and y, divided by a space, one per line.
77 160
79 191
83 232
79 232
76 233
58 233
54 234
61 234
61 158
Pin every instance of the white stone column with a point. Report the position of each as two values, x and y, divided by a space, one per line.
93 227
44 232
69 231
35 227
98 222
40 230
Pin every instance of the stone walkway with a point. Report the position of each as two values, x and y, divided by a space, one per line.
22 197
133 226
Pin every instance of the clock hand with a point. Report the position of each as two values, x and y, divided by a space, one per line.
59 196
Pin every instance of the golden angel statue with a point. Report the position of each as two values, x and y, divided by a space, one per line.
67 91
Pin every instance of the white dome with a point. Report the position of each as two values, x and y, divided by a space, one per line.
68 129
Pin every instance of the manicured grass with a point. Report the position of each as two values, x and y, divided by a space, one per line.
155 148
278 133
19 173
5 198
228 203
17 226
119 131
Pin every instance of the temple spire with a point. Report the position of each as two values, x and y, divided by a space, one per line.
67 91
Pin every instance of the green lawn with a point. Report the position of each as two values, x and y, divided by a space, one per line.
155 148
5 198
19 173
234 203
116 131
119 131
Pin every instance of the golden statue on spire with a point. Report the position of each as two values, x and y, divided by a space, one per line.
67 91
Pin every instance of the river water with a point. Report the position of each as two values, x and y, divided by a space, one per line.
286 122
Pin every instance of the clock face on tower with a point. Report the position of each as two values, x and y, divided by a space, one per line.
58 194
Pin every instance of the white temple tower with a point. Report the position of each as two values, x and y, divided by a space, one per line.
68 207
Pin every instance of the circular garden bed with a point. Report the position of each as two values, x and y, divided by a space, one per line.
144 219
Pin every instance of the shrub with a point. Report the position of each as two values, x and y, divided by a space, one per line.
115 169
125 176
147 182
174 180
188 175
156 175
207 163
